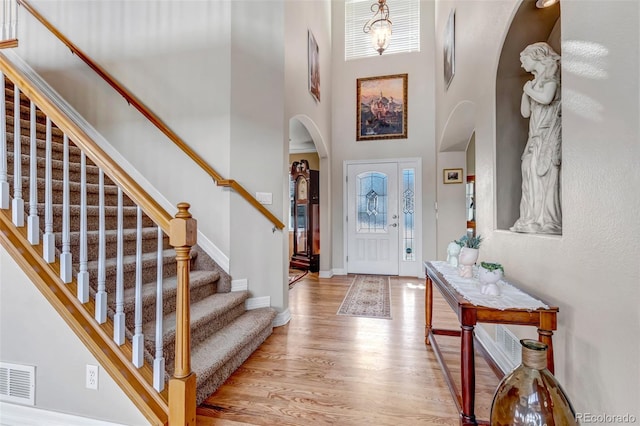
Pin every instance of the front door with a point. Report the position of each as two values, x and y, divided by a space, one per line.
372 218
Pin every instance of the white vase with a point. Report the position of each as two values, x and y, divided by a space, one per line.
453 251
490 289
489 277
466 259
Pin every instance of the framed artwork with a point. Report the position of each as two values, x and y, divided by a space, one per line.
381 107
449 49
452 176
314 66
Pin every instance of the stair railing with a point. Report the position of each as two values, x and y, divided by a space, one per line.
83 301
153 118
9 24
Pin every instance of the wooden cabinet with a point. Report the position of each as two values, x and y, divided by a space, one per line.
306 217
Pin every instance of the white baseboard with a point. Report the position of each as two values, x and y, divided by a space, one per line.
20 415
339 271
282 318
239 285
494 351
257 302
325 274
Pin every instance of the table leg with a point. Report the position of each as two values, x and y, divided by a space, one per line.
468 375
428 308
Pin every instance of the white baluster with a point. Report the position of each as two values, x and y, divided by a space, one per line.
118 320
158 362
13 26
101 295
4 183
65 257
18 202
83 274
138 337
49 239
33 221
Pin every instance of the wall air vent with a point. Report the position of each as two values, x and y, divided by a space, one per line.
17 383
509 344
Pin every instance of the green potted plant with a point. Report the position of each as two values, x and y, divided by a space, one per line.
490 272
468 254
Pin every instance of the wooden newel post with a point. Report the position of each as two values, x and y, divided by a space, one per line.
182 386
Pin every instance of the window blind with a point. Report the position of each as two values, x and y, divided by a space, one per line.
403 14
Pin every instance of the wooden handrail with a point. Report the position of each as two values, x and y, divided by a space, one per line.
153 118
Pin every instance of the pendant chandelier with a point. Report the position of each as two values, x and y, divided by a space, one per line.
379 26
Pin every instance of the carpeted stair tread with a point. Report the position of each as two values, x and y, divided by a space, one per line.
213 353
57 168
148 267
57 145
202 312
201 285
75 189
129 235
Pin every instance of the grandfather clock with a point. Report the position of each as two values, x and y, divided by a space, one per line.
306 217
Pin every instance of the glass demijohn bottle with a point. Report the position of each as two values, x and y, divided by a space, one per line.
530 395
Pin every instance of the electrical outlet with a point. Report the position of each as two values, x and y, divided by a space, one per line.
92 377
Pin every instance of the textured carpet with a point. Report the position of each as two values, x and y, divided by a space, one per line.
368 296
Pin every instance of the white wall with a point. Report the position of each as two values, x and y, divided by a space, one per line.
258 129
32 333
591 272
300 17
421 121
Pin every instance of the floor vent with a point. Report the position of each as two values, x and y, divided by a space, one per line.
509 344
17 383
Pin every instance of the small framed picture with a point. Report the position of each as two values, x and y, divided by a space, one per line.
452 176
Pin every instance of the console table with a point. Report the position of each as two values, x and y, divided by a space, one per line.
545 319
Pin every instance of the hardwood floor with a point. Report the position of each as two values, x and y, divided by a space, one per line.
326 369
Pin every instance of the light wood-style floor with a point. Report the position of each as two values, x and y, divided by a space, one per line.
326 369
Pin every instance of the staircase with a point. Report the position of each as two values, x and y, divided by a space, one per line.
223 332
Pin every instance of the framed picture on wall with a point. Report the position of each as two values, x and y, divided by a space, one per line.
452 176
381 107
314 66
449 49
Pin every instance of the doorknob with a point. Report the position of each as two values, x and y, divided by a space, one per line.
395 216
394 225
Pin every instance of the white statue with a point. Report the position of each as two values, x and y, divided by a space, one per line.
540 210
453 250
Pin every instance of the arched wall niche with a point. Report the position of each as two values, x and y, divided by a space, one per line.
530 24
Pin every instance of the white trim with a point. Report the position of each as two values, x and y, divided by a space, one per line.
325 274
239 285
339 271
257 302
214 252
18 415
494 351
282 318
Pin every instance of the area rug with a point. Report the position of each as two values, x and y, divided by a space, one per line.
368 296
295 276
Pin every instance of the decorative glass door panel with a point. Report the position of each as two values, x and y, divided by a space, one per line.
373 200
372 219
